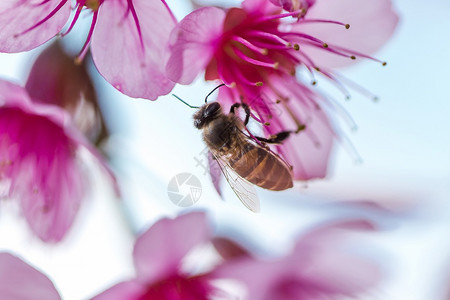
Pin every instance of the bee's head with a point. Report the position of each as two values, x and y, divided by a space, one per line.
207 113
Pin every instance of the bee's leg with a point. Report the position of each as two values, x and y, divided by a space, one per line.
276 138
280 137
233 107
246 109
247 113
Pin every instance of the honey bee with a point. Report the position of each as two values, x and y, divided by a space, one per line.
243 160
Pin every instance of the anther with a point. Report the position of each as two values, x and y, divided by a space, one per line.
300 128
266 124
325 45
296 47
384 63
259 83
347 26
276 65
278 101
353 57
264 51
77 61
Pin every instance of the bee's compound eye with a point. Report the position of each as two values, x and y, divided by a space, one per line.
211 109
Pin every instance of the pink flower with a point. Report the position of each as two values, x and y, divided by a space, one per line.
256 51
40 163
319 267
128 37
158 255
19 281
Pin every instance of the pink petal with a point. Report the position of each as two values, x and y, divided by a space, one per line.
229 249
134 68
308 151
193 43
19 281
259 277
159 251
45 173
20 15
319 268
370 28
129 290
326 260
262 7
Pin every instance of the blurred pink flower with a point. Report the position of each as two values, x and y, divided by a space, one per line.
40 163
19 281
255 51
319 267
158 256
128 37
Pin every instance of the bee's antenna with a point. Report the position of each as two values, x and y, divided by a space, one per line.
206 98
185 102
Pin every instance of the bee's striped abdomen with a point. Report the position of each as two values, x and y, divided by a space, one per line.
262 167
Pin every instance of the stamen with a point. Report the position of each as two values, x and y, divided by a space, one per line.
272 46
307 37
223 76
310 65
269 36
331 49
92 4
255 117
84 50
255 61
297 122
241 77
75 18
249 45
355 53
337 83
170 12
51 14
348 146
303 21
280 16
360 89
338 109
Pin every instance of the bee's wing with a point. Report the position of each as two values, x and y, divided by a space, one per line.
245 191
